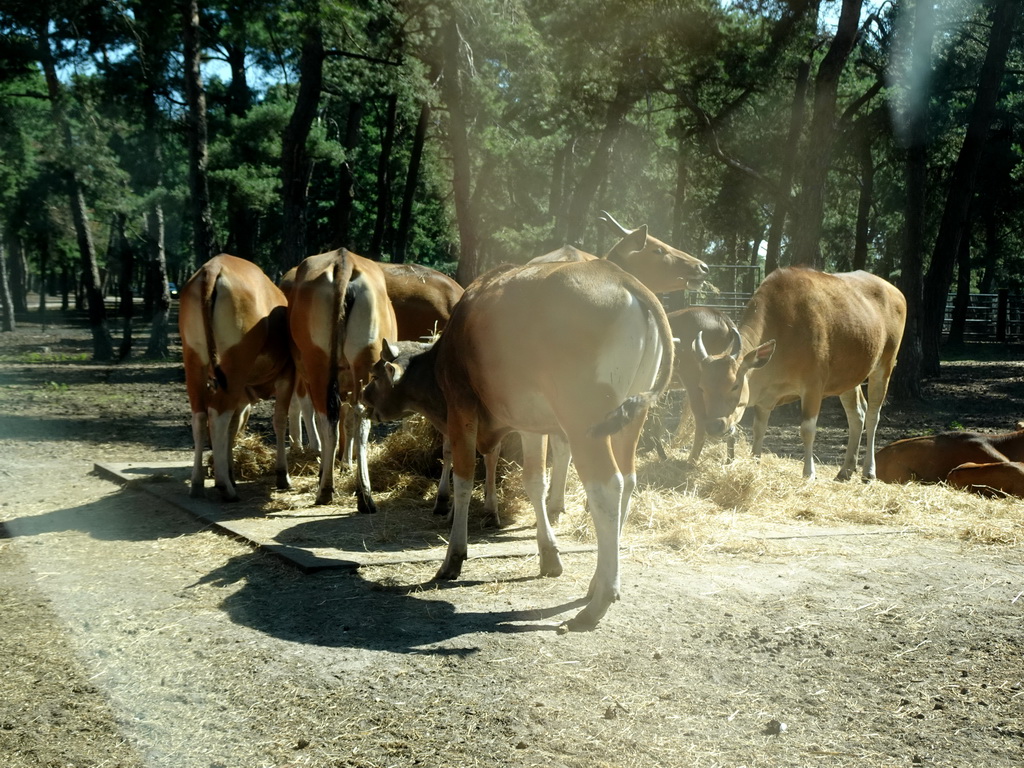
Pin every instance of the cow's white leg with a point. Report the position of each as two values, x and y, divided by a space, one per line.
200 424
295 423
282 410
878 385
759 427
361 428
309 423
328 453
808 429
560 458
534 484
604 500
491 485
463 444
853 404
444 485
222 427
349 435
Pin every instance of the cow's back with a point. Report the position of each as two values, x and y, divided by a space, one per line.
831 328
423 298
989 479
523 338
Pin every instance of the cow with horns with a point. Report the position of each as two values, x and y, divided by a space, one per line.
806 335
510 360
234 338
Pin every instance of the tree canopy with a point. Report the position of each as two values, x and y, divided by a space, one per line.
463 134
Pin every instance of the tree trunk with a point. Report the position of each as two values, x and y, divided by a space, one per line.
411 180
342 213
6 300
906 379
380 225
458 141
203 239
597 170
810 205
958 323
18 273
156 262
953 225
866 194
993 246
123 253
103 346
296 167
797 116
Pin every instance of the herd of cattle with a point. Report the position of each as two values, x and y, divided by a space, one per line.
569 350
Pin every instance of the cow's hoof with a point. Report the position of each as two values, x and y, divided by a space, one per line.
365 505
450 569
441 506
554 514
284 482
326 496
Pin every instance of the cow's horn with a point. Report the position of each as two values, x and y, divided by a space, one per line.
607 219
698 347
737 345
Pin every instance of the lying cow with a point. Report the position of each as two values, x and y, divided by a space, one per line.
1003 478
234 338
339 315
580 349
929 459
807 334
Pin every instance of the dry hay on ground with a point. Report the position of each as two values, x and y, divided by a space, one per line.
712 506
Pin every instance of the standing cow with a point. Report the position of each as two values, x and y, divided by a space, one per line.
580 349
807 334
339 315
234 337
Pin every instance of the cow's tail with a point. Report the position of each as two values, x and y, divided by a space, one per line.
341 277
637 404
217 378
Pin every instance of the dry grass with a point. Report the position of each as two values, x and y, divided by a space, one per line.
715 505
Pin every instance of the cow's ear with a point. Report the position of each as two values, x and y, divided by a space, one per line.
388 351
635 240
759 357
390 369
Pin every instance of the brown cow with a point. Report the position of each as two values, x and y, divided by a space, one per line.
717 332
929 459
657 265
339 316
422 298
1002 478
234 337
579 349
660 267
807 334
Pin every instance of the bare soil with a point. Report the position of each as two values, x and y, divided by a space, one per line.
132 636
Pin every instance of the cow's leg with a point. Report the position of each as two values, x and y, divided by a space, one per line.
349 435
491 486
695 412
878 386
623 445
200 426
604 488
810 406
222 425
560 458
309 423
535 485
443 500
759 427
283 389
361 428
462 431
295 423
853 404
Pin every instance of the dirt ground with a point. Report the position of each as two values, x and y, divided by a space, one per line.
130 635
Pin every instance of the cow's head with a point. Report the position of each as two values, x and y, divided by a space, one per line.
724 381
383 396
657 265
